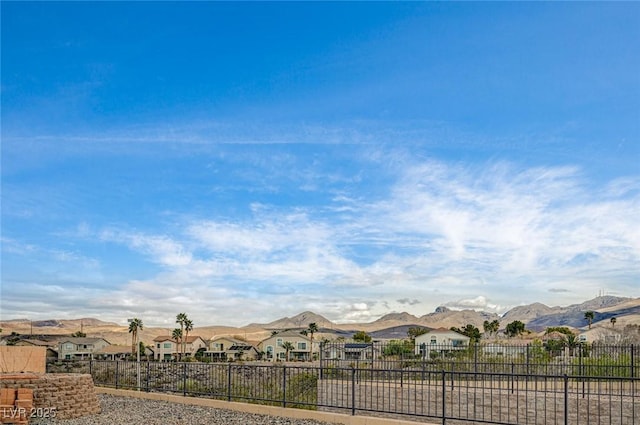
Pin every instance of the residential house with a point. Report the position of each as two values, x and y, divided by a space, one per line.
51 346
78 348
440 341
167 348
274 351
227 348
351 351
113 352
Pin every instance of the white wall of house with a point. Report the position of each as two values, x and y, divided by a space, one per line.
440 340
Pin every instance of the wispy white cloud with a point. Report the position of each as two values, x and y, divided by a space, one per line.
443 232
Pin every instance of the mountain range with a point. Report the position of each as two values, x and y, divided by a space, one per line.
536 317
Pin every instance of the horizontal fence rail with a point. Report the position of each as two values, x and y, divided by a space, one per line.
455 397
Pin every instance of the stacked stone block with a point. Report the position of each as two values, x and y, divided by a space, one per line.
69 395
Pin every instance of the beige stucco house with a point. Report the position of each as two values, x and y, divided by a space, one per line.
274 351
226 348
80 348
167 348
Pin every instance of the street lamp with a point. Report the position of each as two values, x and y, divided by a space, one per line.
137 355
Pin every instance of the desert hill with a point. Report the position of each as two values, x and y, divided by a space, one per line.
301 320
536 317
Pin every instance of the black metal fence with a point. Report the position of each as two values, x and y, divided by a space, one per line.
538 358
446 396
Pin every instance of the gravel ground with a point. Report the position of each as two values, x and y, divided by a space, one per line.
129 410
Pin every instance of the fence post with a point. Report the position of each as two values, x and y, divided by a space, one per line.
229 383
353 391
284 385
117 363
475 358
632 362
184 379
320 356
148 374
513 367
444 397
566 399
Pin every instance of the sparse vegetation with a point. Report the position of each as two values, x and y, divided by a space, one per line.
469 330
361 336
416 331
515 328
491 328
588 316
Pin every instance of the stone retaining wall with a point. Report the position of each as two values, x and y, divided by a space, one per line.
72 395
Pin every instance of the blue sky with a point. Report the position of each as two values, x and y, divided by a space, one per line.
245 161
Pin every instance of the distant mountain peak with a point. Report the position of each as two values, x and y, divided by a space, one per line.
400 317
301 320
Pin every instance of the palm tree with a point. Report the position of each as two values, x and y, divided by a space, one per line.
177 336
288 346
181 318
613 321
589 317
572 342
134 326
188 327
313 328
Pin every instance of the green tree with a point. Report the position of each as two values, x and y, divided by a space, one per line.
562 329
181 318
79 334
555 346
588 316
514 328
469 330
288 347
188 327
398 348
492 327
135 325
613 321
361 336
415 331
571 342
177 337
311 330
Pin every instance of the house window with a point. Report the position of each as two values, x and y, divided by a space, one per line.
279 342
434 340
166 345
68 346
302 346
158 345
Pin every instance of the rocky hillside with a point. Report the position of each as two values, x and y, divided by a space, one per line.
536 317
